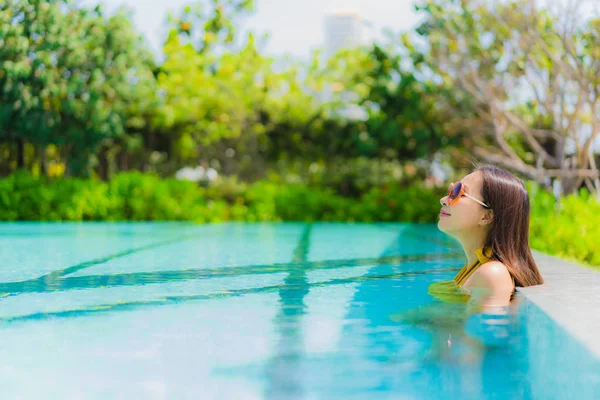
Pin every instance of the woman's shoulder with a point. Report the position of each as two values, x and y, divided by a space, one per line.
491 274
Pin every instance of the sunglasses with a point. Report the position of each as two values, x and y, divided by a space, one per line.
456 191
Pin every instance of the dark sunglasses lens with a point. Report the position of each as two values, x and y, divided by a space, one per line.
456 191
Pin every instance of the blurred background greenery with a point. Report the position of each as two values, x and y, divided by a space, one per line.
94 126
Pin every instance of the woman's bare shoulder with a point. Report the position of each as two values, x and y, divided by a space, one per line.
491 285
492 274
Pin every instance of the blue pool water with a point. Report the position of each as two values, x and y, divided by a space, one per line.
253 311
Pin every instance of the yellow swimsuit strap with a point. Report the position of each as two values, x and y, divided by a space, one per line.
451 291
483 255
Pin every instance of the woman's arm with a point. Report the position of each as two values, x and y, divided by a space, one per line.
490 285
491 288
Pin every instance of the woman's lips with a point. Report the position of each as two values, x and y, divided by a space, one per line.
444 214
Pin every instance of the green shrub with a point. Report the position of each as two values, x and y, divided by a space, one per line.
143 197
350 177
570 230
394 203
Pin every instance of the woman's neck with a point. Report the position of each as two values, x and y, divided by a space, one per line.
471 243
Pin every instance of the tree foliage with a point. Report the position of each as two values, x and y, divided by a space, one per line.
532 76
70 77
405 121
505 81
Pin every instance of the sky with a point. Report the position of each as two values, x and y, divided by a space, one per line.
295 26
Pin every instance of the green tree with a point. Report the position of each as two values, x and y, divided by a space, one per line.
405 121
71 77
223 99
532 76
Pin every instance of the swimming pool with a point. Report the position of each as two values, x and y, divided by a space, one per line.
250 311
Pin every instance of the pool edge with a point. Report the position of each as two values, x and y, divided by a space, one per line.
569 296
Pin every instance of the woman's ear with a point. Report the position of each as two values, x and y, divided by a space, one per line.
487 218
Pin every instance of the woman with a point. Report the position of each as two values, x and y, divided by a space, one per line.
488 213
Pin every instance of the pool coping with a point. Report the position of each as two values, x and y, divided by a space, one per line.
570 296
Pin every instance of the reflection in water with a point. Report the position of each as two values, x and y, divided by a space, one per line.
285 377
284 369
54 282
58 281
462 331
430 349
395 339
30 287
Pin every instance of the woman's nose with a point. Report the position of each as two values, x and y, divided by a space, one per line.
443 201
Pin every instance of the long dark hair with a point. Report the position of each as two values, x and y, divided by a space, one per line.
509 235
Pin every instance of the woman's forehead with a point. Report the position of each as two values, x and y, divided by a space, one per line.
473 180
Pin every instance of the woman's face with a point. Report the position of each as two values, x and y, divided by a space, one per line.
466 215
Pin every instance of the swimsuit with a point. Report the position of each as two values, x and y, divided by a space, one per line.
452 291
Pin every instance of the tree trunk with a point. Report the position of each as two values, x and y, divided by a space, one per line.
20 153
102 168
123 161
77 163
65 157
41 151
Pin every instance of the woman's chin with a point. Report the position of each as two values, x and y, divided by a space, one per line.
442 225
448 229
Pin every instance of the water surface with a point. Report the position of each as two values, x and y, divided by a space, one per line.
178 311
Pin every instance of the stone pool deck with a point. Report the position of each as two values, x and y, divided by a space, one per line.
570 296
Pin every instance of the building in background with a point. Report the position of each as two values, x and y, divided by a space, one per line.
344 30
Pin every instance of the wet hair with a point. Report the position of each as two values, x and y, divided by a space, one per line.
509 234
